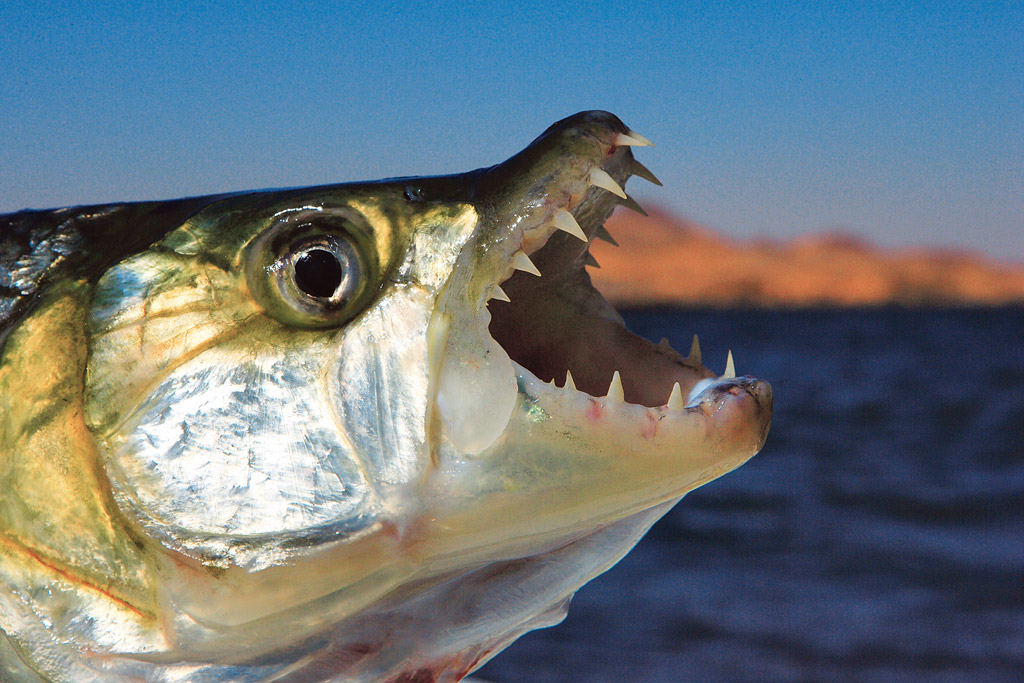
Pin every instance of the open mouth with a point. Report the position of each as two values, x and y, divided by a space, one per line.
540 211
553 323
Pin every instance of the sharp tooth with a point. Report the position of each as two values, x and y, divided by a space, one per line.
565 221
698 389
615 389
569 384
642 171
499 294
599 178
675 399
694 350
602 234
730 368
523 262
632 139
631 204
591 261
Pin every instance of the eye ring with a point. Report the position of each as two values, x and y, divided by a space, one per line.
312 270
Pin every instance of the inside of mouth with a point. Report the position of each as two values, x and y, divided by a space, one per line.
559 322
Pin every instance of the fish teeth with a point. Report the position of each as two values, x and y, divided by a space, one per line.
615 392
730 367
675 399
591 261
600 178
602 234
694 350
499 294
566 222
632 139
523 262
569 384
639 169
699 388
631 204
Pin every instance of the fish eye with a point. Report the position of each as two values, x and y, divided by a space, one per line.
312 271
326 268
318 273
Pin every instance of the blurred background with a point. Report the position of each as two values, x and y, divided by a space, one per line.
843 208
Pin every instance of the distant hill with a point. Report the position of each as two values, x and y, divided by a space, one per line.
663 259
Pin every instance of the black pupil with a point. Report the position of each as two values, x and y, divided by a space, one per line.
318 273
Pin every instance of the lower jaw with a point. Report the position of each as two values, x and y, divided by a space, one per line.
570 463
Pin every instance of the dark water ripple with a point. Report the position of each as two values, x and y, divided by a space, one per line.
879 536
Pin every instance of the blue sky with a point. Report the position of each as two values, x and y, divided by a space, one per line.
901 122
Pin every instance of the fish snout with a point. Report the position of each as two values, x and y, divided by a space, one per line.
740 407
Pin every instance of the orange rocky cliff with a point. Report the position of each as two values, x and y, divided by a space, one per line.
662 259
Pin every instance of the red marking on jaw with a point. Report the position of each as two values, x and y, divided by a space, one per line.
650 426
474 664
432 673
453 668
414 532
417 676
407 535
68 575
390 530
594 410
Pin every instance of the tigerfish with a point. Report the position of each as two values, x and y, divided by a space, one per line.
369 431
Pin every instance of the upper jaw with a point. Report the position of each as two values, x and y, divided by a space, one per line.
556 194
520 291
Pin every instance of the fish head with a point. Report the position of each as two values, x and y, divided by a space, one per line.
320 408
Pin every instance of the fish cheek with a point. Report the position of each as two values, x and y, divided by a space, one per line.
211 417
